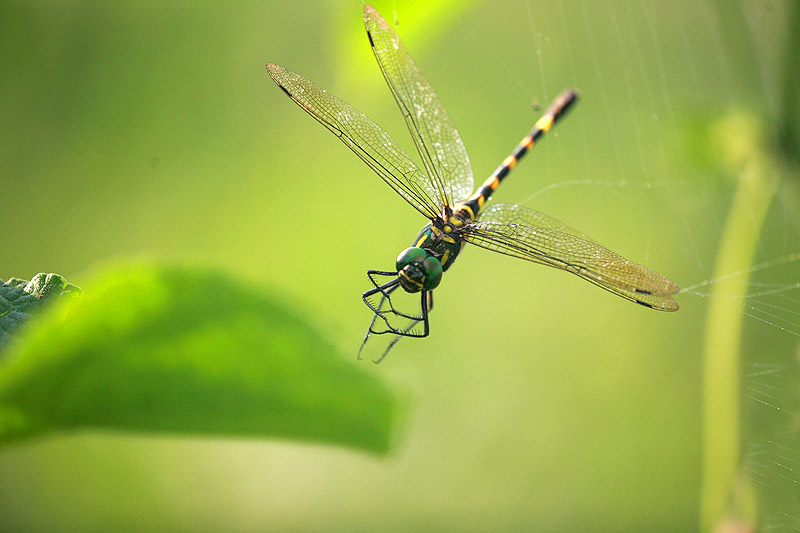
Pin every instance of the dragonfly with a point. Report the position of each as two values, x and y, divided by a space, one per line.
442 190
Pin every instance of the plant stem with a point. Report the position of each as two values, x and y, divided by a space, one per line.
743 156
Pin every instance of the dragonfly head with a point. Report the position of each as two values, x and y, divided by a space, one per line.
417 270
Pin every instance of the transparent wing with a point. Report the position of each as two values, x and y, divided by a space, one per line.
516 214
368 140
437 140
520 232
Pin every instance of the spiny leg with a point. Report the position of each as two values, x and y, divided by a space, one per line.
388 349
427 300
375 314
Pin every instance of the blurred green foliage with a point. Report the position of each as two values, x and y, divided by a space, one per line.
21 299
174 349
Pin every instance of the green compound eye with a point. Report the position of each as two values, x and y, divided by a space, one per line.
410 255
433 273
418 270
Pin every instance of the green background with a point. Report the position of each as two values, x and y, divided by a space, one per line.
541 402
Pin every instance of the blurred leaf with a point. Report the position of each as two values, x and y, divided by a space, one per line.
188 350
21 299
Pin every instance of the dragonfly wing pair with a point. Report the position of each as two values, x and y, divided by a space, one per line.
369 141
448 174
443 153
527 234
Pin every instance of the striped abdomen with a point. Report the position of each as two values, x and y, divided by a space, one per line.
474 203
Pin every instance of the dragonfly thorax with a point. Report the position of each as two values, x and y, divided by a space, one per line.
442 239
418 270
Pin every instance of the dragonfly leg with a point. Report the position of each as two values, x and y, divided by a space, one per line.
366 338
370 331
386 290
388 349
427 305
426 302
371 273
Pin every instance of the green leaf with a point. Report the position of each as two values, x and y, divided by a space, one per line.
179 349
20 300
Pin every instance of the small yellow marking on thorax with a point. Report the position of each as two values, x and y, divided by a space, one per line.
455 221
